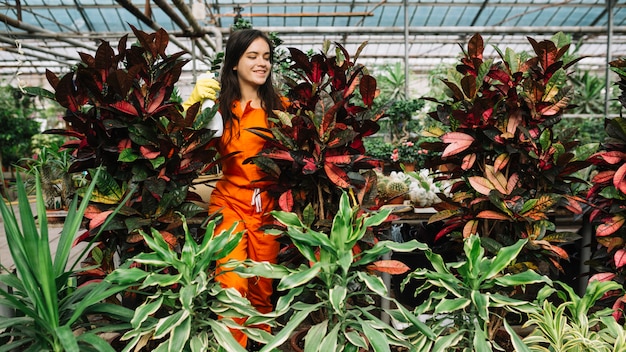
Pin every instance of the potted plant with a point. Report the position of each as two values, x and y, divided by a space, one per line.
122 115
315 150
341 277
184 299
608 193
53 312
511 171
467 299
576 324
52 166
408 154
392 188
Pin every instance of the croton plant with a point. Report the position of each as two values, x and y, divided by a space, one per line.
316 149
607 196
511 171
121 116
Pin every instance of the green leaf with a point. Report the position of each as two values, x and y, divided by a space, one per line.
517 342
337 296
144 311
168 324
451 305
377 339
315 333
300 277
374 283
504 257
180 335
127 276
67 339
287 218
225 337
127 155
329 342
96 341
523 278
481 302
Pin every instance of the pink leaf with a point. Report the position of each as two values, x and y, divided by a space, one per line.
458 143
602 277
620 258
481 184
619 179
610 226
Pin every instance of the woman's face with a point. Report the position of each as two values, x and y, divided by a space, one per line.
254 65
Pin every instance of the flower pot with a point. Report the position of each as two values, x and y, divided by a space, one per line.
408 167
204 184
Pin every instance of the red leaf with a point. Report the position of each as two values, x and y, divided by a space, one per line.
99 219
148 153
620 258
609 227
611 157
492 214
285 201
602 277
603 176
169 238
468 161
125 107
367 89
337 176
393 267
619 179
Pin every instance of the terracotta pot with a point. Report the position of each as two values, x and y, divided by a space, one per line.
408 167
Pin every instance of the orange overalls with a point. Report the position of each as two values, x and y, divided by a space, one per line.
235 196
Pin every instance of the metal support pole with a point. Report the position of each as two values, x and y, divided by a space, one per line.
609 40
406 49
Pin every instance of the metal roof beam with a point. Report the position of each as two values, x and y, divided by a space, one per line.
197 29
34 29
36 48
140 15
458 30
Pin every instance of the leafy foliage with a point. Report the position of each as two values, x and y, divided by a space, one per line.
16 125
509 167
342 279
181 312
468 299
121 116
575 324
316 148
43 290
607 196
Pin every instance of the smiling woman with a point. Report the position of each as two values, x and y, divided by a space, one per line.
246 101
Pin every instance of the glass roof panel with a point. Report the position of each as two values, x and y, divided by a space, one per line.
49 32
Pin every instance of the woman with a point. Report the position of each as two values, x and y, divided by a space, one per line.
246 100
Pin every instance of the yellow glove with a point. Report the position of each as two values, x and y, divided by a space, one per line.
206 88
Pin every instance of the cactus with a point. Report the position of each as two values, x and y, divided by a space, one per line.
396 188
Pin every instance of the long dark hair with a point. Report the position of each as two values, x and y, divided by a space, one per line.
236 46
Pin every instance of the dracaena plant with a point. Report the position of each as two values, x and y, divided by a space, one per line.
342 280
510 168
51 309
316 150
121 115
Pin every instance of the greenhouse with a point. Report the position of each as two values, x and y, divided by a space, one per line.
359 175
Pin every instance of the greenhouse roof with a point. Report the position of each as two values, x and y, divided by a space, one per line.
40 34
